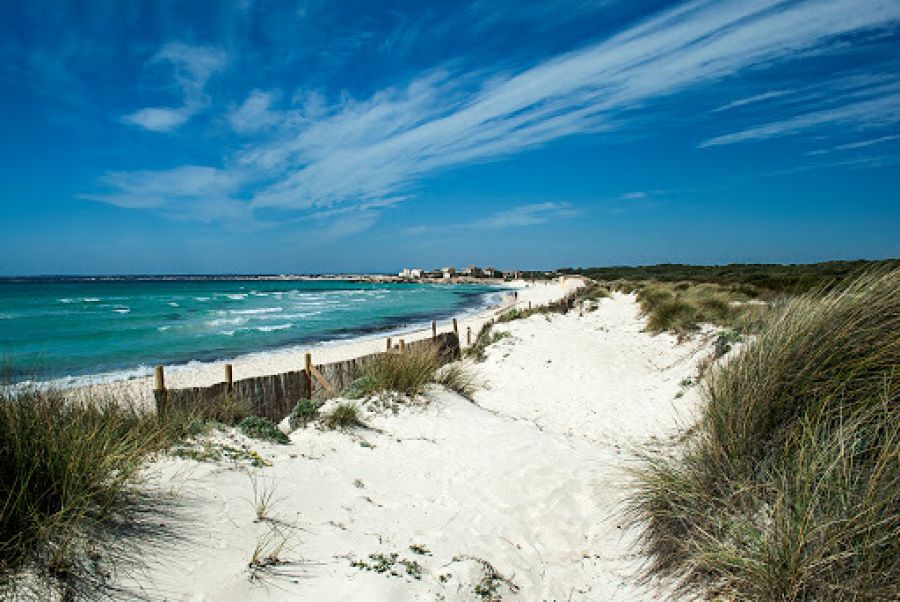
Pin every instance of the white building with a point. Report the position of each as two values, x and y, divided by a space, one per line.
410 273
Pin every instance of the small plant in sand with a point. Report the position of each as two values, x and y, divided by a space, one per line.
266 555
263 498
343 416
258 427
487 336
457 378
304 412
390 564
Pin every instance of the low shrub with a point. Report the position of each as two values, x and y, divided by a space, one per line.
304 412
788 487
258 427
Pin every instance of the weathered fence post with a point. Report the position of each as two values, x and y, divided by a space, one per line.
229 377
433 329
455 328
160 378
309 385
468 336
388 344
402 345
529 305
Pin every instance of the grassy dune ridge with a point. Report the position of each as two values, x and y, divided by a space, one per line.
788 488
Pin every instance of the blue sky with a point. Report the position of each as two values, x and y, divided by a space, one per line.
262 136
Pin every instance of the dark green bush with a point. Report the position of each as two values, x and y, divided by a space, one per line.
304 412
258 427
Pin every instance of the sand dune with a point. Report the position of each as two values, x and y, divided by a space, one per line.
516 493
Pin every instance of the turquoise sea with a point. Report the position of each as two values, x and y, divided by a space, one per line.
52 329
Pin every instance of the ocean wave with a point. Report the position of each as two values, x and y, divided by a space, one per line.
122 310
236 296
163 328
274 327
225 321
261 310
173 304
201 298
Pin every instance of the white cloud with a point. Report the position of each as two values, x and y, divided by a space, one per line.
254 114
157 119
351 152
526 215
879 112
192 67
752 99
856 145
514 217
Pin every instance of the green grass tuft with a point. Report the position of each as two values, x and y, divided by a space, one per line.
343 416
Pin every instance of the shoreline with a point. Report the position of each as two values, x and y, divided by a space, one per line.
137 389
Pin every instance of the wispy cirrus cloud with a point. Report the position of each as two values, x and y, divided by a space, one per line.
855 145
192 67
518 216
873 113
354 151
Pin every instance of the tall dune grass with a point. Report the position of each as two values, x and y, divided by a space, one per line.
788 488
69 474
65 468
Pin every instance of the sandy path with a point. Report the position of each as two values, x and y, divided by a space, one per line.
529 479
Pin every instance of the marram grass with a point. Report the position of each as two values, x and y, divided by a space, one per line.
788 488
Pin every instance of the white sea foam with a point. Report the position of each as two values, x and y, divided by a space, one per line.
237 296
122 310
201 298
163 328
173 304
261 310
274 327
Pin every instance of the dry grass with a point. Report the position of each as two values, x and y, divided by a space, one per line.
788 488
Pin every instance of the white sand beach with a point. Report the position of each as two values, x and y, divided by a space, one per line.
515 494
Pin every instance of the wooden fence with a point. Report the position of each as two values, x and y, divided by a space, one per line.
274 396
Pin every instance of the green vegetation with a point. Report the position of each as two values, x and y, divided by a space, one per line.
69 472
304 412
486 337
406 372
343 416
258 427
456 377
66 474
788 488
681 307
390 564
790 279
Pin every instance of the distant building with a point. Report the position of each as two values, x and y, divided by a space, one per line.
448 272
410 273
488 272
511 275
469 270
